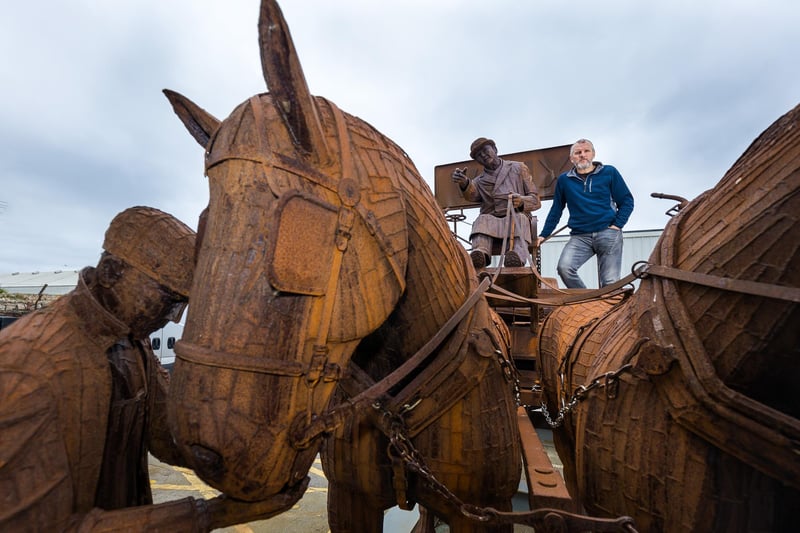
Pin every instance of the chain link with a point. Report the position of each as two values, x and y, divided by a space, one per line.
511 375
405 450
394 427
609 381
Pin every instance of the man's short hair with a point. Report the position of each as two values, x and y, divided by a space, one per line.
155 243
580 141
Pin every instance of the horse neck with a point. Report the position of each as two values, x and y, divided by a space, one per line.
438 281
743 229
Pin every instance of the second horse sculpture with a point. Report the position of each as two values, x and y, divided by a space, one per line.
686 415
325 265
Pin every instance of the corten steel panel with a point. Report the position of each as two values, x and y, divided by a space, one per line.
545 164
546 487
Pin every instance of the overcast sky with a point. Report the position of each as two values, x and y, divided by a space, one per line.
670 92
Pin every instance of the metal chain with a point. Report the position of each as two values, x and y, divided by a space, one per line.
609 381
546 520
405 450
511 374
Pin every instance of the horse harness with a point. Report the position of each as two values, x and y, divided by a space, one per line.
389 417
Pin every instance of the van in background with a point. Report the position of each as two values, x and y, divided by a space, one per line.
163 343
6 321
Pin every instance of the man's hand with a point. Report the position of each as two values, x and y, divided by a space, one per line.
539 241
459 176
224 511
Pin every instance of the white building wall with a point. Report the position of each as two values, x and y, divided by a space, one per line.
61 282
637 246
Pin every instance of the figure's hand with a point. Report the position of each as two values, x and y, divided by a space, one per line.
460 177
516 201
224 511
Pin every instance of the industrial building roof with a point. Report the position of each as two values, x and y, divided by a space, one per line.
638 246
58 282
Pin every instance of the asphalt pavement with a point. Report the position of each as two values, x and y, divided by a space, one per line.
309 515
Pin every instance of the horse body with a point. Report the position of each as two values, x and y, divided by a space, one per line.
322 244
461 417
700 430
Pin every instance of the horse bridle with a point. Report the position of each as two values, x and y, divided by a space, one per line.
347 190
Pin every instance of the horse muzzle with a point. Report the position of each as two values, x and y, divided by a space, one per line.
225 424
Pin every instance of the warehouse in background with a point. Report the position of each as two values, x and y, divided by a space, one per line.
23 292
637 246
39 288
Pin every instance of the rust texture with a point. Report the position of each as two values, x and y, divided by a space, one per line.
700 432
80 389
83 397
324 257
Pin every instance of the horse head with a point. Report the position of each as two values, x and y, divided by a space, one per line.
303 253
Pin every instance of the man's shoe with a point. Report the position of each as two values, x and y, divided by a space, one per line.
478 259
512 260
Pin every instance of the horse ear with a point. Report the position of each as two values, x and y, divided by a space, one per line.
200 123
287 83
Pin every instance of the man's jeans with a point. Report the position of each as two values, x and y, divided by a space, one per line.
606 244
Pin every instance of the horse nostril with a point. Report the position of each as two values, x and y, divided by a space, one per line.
207 461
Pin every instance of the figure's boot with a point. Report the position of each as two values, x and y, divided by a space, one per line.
513 259
479 259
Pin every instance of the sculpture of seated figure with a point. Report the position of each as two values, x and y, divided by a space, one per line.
499 181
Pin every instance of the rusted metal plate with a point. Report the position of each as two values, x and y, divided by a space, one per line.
546 487
545 164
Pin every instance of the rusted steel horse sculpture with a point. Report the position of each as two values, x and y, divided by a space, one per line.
323 246
680 404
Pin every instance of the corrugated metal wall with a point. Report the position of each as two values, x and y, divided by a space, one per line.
58 282
637 246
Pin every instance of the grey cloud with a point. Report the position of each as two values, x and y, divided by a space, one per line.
671 93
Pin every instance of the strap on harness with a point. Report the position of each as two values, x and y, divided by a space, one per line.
332 418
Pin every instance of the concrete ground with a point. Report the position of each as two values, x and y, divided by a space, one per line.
309 515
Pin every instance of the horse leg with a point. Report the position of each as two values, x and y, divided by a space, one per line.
425 523
456 521
359 477
350 512
473 449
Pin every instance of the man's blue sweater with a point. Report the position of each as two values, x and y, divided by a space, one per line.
600 200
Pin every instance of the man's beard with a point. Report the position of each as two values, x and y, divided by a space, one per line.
583 165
